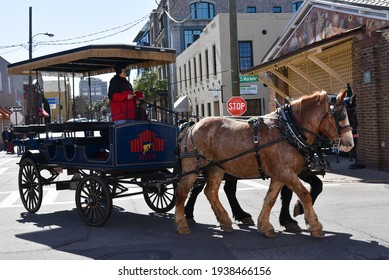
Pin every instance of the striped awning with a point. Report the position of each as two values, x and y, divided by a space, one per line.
5 113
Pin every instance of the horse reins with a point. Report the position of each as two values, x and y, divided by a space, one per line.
290 130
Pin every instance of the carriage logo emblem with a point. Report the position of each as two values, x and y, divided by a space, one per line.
147 142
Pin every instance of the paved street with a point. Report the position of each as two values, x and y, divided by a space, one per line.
353 209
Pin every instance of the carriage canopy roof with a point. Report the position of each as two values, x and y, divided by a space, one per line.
94 60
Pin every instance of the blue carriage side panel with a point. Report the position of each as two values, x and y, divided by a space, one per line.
145 145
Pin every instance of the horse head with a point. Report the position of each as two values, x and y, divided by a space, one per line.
335 124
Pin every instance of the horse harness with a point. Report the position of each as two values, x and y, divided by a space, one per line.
290 132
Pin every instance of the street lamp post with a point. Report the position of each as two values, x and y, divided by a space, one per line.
30 38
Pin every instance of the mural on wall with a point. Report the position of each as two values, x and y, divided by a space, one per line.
320 24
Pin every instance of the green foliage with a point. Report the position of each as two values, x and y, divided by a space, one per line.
151 85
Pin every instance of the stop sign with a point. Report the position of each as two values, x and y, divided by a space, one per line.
236 106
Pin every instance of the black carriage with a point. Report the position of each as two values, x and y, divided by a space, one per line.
99 160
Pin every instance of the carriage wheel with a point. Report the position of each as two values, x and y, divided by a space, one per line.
161 199
93 200
30 186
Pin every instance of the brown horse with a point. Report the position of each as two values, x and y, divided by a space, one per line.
275 147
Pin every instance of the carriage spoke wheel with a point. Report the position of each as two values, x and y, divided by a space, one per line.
93 200
160 199
30 186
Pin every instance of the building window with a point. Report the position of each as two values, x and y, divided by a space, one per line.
180 73
214 60
190 73
296 5
254 107
200 67
251 10
202 10
206 64
195 70
190 36
276 9
186 80
245 55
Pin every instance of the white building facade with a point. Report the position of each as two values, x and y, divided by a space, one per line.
204 68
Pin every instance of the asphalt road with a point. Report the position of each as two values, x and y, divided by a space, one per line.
354 215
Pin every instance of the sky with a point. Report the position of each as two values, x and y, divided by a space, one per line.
73 23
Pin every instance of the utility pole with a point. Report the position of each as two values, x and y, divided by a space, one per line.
29 107
234 48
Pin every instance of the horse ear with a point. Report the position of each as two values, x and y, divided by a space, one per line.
341 96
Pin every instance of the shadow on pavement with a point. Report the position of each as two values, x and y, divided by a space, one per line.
130 236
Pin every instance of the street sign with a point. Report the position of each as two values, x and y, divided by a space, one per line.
248 79
236 106
16 118
16 109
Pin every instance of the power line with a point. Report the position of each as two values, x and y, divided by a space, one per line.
63 41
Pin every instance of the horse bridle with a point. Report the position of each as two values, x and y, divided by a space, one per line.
337 112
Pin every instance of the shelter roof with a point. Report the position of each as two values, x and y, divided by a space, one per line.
94 60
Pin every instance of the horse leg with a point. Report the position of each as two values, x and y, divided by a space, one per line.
316 188
314 226
237 211
215 177
285 219
189 207
183 188
264 224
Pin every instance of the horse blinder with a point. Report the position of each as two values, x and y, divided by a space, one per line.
337 112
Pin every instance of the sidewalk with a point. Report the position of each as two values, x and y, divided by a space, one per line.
342 171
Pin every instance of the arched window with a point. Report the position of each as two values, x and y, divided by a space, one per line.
202 10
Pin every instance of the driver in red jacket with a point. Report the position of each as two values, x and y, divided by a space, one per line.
122 97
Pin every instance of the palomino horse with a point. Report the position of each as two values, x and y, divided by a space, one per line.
274 146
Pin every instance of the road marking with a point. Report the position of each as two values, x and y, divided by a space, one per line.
50 196
9 200
3 169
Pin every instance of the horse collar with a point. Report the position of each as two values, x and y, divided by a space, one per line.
291 128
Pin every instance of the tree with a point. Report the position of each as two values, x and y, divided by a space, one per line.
81 107
151 85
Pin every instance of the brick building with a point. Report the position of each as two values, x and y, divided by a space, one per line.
328 45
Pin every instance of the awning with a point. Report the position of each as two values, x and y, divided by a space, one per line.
291 59
5 113
43 113
182 104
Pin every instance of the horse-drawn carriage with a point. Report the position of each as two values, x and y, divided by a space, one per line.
101 161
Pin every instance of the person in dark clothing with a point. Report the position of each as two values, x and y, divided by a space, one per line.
5 136
141 113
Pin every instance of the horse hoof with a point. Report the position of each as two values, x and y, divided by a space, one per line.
292 227
298 209
184 231
191 221
269 233
248 221
317 233
227 228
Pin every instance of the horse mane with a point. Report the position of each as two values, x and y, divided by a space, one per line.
313 101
